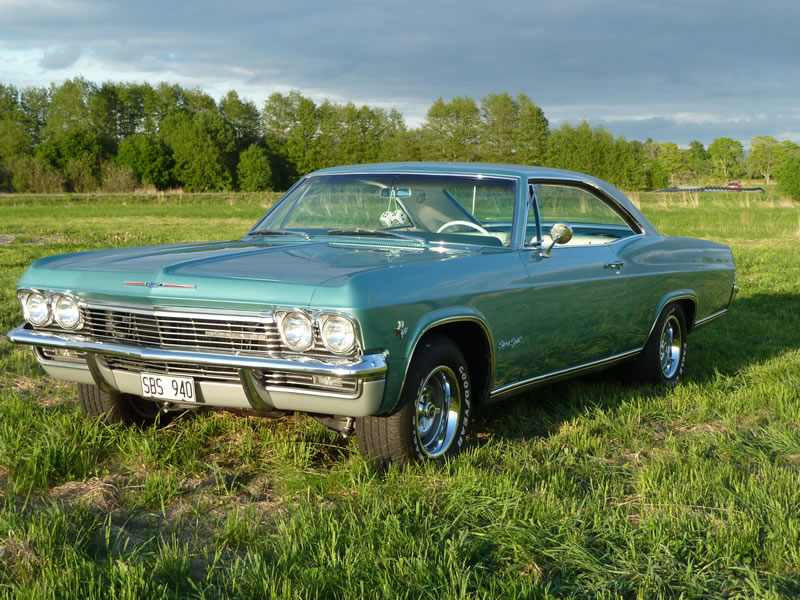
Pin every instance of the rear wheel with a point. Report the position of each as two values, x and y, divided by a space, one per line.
119 407
434 409
664 356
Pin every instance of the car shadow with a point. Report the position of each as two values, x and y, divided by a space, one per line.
757 329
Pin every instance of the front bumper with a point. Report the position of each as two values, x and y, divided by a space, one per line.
369 373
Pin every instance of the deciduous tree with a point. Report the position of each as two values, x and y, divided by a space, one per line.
675 160
766 154
725 156
243 117
452 130
499 127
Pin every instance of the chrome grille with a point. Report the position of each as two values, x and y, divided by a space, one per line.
183 331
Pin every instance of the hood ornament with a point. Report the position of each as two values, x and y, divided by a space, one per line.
155 284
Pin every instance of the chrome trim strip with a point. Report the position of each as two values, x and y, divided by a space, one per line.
597 191
517 386
372 365
670 300
710 318
168 311
311 392
537 245
487 174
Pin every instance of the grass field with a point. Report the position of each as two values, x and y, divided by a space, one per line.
591 488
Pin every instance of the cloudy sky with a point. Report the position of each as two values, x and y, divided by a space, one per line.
673 70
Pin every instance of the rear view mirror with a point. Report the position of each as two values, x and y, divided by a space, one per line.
560 233
395 192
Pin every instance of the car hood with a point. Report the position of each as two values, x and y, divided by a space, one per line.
231 273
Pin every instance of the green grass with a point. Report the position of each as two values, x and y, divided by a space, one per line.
591 488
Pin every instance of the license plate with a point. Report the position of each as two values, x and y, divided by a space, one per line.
163 387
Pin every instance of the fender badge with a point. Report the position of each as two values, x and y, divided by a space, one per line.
505 344
401 329
155 284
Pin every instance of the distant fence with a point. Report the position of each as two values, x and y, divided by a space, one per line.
709 188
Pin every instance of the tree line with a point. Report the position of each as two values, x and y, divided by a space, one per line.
79 136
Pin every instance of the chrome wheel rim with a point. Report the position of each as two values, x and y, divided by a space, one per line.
438 411
669 351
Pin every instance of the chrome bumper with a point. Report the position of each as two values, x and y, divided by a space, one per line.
368 370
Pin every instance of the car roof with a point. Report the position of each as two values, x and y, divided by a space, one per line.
466 168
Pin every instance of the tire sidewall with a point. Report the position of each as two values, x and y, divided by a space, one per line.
439 354
677 311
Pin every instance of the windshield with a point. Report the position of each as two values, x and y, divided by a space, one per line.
432 207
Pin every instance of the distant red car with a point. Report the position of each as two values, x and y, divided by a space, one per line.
734 186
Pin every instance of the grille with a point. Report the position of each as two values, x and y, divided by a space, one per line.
181 331
190 331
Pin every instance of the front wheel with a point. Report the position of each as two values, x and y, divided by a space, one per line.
434 409
664 356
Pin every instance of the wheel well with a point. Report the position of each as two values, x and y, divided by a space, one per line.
689 311
472 340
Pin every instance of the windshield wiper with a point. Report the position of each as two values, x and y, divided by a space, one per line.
376 232
279 232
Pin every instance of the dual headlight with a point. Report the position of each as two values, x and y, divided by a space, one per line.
40 310
337 332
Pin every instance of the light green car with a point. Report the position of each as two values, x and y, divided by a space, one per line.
385 300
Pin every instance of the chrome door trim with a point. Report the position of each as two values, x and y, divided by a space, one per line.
520 385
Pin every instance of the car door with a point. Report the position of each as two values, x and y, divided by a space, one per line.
580 296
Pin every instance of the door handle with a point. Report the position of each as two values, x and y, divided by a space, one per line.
615 265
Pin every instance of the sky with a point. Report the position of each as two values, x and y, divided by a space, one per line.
670 70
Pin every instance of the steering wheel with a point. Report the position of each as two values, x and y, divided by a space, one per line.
467 223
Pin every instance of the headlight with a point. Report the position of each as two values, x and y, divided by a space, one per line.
338 333
296 331
67 312
36 309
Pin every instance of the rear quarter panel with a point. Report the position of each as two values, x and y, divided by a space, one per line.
660 269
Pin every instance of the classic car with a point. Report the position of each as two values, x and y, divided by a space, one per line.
385 300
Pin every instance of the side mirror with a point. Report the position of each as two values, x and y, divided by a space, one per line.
560 233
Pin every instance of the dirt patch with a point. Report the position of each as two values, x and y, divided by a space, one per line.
99 494
6 239
17 558
40 390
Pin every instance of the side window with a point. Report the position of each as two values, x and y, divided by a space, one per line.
593 221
